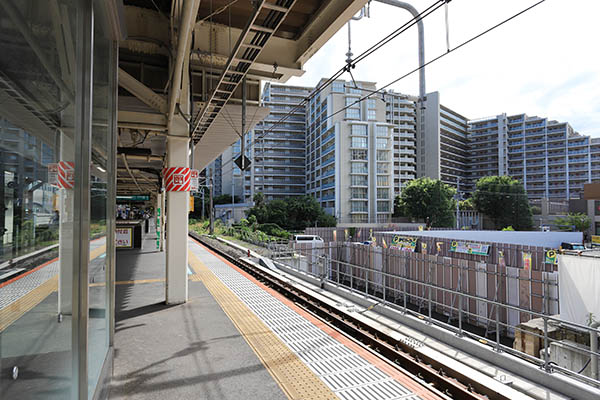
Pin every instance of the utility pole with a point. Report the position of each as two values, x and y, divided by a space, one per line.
211 211
458 197
202 204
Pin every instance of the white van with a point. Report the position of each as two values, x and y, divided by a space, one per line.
312 239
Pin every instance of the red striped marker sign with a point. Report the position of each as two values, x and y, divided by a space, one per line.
195 183
66 174
177 179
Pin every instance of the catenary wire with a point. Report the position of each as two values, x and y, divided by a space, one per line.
342 70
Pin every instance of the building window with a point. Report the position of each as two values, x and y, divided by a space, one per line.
352 102
337 87
360 155
359 168
359 218
360 180
383 180
382 131
383 206
371 114
359 193
383 193
354 90
359 206
382 143
383 168
353 113
360 130
371 103
383 155
359 142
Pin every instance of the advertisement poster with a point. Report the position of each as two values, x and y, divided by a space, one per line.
123 238
595 240
404 243
470 248
501 260
551 257
439 246
526 260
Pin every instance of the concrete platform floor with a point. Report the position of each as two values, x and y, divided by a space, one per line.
189 351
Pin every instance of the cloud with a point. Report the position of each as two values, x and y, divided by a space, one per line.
542 63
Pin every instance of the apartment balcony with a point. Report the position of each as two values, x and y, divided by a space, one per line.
328 197
291 191
328 185
328 162
328 173
578 168
406 159
578 160
406 127
578 144
280 182
403 135
278 163
328 138
327 149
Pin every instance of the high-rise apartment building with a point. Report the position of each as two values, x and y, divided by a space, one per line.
355 161
278 149
549 157
401 112
443 146
349 166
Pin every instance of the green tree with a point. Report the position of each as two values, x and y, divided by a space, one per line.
398 209
466 205
503 199
293 213
580 221
226 199
426 198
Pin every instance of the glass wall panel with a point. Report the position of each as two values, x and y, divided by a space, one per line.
98 323
37 100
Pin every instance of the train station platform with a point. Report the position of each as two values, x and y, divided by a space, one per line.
234 338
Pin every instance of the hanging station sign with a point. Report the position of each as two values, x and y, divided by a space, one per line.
470 248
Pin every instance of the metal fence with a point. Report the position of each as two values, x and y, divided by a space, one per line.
450 292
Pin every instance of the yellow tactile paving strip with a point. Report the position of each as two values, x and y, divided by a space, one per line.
293 376
15 310
18 308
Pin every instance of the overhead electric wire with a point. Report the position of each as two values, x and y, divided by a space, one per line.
382 89
397 32
346 67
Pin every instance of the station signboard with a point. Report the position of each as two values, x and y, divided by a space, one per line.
124 238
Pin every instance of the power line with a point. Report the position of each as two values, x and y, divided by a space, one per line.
433 7
382 89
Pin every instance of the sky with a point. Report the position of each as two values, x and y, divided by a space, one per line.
545 62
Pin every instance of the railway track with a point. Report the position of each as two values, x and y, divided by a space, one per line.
403 354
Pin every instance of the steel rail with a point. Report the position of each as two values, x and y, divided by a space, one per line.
446 380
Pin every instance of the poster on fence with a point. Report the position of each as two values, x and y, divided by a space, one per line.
551 257
526 260
404 243
470 248
501 260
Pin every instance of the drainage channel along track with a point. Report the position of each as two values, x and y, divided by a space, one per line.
447 381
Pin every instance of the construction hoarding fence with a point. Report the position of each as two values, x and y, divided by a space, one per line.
409 278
